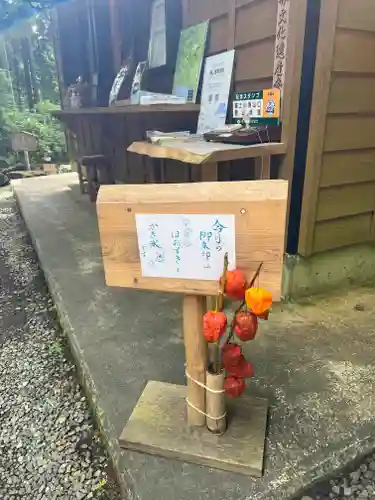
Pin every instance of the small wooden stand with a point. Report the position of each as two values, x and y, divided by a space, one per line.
25 142
163 423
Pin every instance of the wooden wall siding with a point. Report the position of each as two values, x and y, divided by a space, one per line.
354 51
262 55
349 132
246 85
344 87
255 21
339 194
342 201
197 11
356 15
342 232
249 26
218 40
348 167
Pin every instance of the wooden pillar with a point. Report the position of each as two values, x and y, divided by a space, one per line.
114 13
231 42
196 357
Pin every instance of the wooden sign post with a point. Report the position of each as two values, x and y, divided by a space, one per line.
24 141
174 238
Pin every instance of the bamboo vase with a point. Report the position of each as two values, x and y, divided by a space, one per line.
215 403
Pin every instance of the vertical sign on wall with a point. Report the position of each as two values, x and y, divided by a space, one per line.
281 44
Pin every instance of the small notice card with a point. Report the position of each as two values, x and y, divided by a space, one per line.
185 246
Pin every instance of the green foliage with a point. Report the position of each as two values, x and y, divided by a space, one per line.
56 349
14 11
44 58
6 101
29 54
30 77
51 139
4 181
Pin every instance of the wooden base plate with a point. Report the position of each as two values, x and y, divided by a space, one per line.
158 426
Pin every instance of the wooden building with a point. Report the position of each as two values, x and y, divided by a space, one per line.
327 117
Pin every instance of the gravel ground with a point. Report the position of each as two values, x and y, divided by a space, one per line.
49 446
357 483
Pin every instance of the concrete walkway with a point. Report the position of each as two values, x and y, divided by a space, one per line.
314 362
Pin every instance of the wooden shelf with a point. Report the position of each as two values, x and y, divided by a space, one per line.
129 109
199 152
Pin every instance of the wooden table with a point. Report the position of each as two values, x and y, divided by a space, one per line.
207 155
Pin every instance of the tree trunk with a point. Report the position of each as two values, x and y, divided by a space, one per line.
13 51
25 53
34 82
4 68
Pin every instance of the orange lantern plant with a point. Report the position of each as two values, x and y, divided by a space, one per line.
237 368
214 325
245 325
235 284
227 356
234 386
259 301
231 354
242 369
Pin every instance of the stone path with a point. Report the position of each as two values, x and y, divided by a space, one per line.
49 447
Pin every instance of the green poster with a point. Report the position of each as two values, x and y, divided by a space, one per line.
190 56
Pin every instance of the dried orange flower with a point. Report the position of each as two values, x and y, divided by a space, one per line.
258 300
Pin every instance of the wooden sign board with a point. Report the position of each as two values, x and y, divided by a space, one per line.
24 141
173 237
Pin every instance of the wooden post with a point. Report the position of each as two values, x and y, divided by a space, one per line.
27 159
196 357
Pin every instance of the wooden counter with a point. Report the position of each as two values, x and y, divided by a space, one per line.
207 155
110 131
199 151
128 109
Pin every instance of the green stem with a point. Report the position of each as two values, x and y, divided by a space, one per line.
219 307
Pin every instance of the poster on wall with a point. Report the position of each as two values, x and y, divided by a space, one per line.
190 56
157 49
217 79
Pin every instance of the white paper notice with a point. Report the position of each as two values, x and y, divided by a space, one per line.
217 79
185 246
